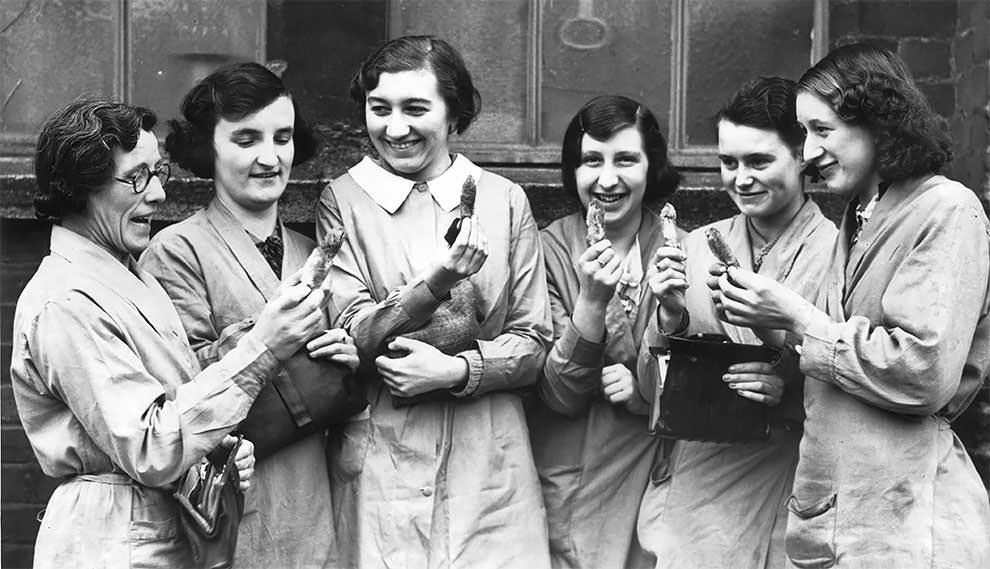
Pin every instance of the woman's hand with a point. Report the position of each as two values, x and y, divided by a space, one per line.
757 381
464 258
291 317
668 281
617 383
416 367
243 460
599 271
747 299
335 345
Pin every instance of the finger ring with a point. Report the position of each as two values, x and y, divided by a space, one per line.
601 263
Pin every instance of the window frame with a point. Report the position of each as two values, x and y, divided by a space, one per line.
532 152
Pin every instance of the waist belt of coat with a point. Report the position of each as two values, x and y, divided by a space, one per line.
105 478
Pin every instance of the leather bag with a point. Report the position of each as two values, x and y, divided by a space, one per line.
307 396
694 403
211 506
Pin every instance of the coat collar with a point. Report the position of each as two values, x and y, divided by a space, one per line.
242 246
125 280
390 191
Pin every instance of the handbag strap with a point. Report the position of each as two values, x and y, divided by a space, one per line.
293 400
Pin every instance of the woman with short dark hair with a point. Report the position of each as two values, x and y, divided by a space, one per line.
588 428
111 396
899 342
242 129
439 472
722 504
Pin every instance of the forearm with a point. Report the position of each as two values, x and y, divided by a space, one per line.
572 372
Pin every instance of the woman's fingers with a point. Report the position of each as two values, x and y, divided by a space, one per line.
759 397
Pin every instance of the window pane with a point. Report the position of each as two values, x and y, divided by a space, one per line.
491 36
174 43
594 47
51 53
732 42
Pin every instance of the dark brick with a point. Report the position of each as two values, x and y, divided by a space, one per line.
970 49
19 523
15 446
973 13
973 88
8 409
5 351
843 18
927 58
17 555
881 42
906 18
941 96
26 484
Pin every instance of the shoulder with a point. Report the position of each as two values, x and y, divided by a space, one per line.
945 203
183 234
561 233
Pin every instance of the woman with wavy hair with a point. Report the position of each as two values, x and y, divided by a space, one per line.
899 341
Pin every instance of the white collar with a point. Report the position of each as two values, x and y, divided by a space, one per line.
390 191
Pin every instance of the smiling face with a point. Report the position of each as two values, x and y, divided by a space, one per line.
254 157
844 153
760 172
409 124
614 172
115 217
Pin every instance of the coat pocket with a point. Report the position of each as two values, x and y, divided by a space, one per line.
347 448
810 540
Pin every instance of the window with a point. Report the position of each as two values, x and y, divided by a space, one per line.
535 61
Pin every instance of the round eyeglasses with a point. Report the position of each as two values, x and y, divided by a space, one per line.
140 181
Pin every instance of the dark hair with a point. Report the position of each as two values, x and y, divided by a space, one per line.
74 157
872 87
765 103
410 53
232 92
601 118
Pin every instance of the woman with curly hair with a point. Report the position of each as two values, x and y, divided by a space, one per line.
899 341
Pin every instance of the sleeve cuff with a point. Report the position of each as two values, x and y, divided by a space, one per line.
476 367
250 364
583 352
682 326
418 301
817 351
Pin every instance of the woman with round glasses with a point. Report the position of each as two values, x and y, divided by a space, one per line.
243 130
445 479
899 341
111 396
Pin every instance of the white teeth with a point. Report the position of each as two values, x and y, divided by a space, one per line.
402 145
609 198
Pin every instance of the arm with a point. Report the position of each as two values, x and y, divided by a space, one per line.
572 372
370 323
126 410
514 358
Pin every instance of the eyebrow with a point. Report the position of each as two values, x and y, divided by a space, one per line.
414 100
134 170
245 131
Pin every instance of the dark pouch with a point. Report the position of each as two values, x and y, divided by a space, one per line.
210 509
696 404
307 396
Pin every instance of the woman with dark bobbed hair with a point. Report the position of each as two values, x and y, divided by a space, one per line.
242 129
439 472
590 441
899 342
723 504
111 396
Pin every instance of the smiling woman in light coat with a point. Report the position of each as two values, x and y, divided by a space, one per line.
111 396
899 341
